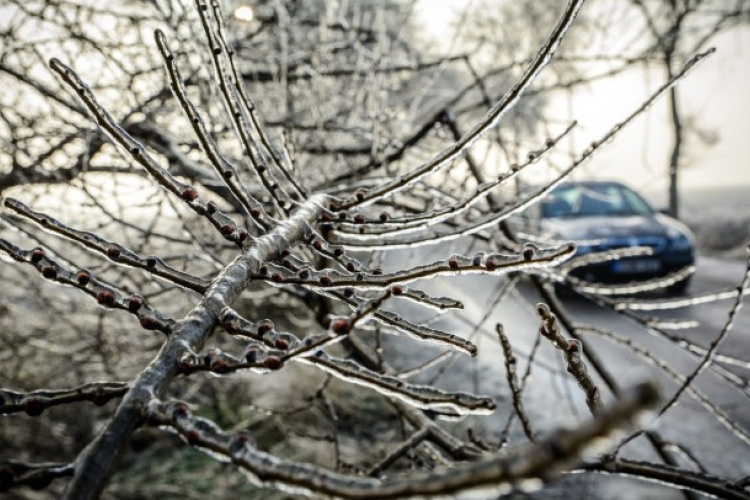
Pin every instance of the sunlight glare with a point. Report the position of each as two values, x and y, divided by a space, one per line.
243 13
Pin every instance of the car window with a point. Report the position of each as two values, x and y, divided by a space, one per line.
639 204
596 199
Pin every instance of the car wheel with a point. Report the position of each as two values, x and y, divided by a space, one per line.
679 288
564 291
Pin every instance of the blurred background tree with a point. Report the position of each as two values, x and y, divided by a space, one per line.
353 98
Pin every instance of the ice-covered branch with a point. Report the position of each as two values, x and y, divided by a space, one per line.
515 389
573 351
237 113
599 257
36 476
633 287
223 167
365 280
455 265
135 150
35 402
113 251
527 466
424 397
422 332
394 226
520 204
542 58
106 295
246 101
678 303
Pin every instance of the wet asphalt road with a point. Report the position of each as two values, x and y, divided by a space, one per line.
553 398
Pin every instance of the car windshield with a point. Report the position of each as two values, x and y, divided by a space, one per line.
577 200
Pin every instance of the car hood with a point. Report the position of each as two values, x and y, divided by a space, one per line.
604 227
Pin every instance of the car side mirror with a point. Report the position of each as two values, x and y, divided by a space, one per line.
664 211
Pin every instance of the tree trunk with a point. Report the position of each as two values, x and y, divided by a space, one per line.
674 160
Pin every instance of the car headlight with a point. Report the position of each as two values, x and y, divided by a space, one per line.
679 241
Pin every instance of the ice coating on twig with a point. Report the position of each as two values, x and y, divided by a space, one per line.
107 296
515 388
633 287
279 276
493 116
484 222
484 478
35 402
223 167
406 224
599 257
573 351
246 101
237 112
114 251
135 150
424 397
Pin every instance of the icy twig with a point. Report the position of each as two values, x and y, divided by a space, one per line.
393 226
36 476
521 386
135 150
248 105
425 333
453 266
735 428
426 365
364 280
106 295
679 303
223 167
599 257
542 58
667 324
424 397
516 391
113 251
633 287
35 402
527 466
573 351
237 113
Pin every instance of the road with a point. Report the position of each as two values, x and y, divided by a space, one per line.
552 397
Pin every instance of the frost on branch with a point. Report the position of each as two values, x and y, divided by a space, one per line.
258 233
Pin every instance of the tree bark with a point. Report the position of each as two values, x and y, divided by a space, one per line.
96 462
677 135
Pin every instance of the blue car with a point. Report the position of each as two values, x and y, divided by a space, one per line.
600 216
